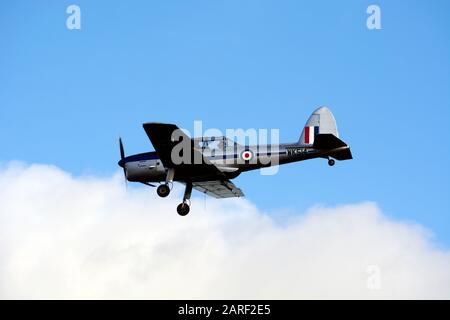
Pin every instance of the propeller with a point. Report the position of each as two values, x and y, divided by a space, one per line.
122 156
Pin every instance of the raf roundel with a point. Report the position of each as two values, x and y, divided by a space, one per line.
247 155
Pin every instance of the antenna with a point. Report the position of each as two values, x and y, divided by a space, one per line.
204 203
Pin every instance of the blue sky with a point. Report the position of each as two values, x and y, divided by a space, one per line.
66 95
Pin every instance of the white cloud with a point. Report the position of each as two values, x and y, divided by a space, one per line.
85 237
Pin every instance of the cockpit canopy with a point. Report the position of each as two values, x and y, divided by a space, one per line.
219 143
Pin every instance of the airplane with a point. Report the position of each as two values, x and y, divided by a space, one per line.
209 170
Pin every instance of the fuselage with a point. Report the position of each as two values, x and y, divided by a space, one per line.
147 167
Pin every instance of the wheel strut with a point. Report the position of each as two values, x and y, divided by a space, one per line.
183 208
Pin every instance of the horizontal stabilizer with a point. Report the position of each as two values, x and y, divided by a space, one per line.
328 141
345 154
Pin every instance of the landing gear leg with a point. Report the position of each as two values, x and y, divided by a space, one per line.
164 190
331 162
183 208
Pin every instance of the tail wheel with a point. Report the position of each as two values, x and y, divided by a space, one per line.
331 162
183 209
163 190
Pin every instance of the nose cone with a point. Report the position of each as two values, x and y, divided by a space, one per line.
121 163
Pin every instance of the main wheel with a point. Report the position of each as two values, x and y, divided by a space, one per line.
163 190
331 162
183 209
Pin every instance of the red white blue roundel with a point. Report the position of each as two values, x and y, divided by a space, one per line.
246 155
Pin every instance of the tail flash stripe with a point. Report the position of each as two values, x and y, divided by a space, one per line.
307 135
310 133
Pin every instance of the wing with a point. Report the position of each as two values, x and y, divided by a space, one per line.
166 137
218 188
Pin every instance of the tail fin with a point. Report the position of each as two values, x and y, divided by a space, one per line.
321 121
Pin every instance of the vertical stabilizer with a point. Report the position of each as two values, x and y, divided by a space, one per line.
320 121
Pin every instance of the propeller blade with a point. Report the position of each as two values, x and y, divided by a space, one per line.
122 155
122 151
125 176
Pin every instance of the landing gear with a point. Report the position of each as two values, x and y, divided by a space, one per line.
331 162
163 190
183 208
